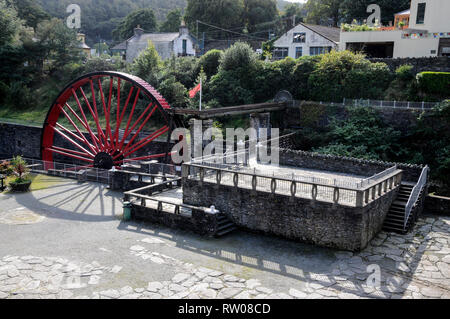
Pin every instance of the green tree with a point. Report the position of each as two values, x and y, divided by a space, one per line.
357 9
56 44
257 12
145 18
223 13
148 65
30 11
9 23
287 16
173 21
323 12
210 62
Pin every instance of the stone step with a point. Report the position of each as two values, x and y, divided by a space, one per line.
226 231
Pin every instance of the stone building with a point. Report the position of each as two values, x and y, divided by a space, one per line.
180 43
306 39
424 31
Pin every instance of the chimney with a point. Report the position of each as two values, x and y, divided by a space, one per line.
138 31
183 28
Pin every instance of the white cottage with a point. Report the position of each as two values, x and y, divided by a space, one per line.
167 44
306 39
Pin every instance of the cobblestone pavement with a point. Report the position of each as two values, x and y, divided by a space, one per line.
60 244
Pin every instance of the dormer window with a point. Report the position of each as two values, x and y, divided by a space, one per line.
421 13
299 37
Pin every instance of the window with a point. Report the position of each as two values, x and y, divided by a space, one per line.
421 13
280 53
299 37
298 52
184 47
319 50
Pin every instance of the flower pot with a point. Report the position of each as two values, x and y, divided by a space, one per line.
20 186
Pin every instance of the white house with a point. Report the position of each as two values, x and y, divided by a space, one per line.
167 44
306 39
426 33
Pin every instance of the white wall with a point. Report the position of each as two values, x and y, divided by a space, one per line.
178 45
437 15
403 48
312 40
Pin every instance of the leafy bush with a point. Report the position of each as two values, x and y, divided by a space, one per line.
346 74
434 83
239 55
174 92
302 70
405 72
148 64
210 62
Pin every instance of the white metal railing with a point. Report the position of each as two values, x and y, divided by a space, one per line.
390 104
414 197
309 187
378 176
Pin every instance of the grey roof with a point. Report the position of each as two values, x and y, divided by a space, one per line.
120 46
332 34
158 37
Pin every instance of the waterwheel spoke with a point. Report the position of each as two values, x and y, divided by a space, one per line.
147 140
69 155
143 158
130 118
91 147
117 135
96 138
72 141
152 136
72 151
104 111
108 115
141 126
93 137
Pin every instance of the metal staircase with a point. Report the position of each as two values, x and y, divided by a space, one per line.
224 226
406 207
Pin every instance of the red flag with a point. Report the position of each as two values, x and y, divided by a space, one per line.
194 91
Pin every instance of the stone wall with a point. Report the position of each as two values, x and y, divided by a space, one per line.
200 222
437 205
319 223
350 165
436 64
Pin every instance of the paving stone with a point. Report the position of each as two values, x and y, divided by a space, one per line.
111 293
264 290
230 278
243 295
137 248
177 288
235 285
180 278
227 293
126 290
444 268
154 286
3 295
116 269
297 294
216 286
252 283
431 292
65 294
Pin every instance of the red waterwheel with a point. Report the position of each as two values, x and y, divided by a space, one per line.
105 119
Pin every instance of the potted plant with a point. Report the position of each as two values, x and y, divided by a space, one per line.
22 182
6 168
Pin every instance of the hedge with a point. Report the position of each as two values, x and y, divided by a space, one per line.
434 82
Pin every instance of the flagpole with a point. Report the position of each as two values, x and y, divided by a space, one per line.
201 89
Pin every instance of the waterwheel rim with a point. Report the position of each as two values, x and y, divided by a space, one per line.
105 119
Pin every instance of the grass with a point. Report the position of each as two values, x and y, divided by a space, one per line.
29 117
38 182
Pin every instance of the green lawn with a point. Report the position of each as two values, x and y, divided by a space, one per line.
30 117
39 181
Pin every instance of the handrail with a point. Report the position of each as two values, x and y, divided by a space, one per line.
363 193
413 198
379 175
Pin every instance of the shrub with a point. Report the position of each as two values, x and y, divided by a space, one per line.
239 55
434 83
302 70
210 62
405 72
